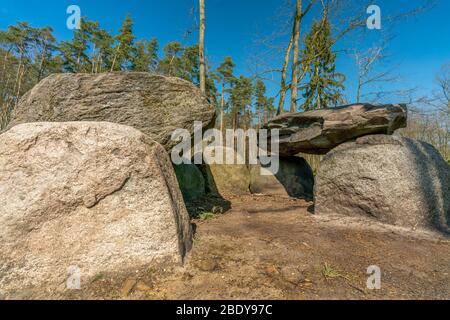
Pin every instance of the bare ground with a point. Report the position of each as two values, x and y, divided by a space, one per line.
275 248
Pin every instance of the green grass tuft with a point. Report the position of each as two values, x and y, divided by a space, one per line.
206 216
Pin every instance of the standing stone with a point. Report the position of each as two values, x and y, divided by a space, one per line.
87 196
156 105
228 179
395 180
319 131
294 178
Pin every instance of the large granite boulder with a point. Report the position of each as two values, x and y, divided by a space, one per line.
395 180
87 196
319 131
154 104
294 178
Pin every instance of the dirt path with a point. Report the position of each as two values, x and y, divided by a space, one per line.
272 248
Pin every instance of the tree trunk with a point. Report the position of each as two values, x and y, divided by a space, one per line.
222 107
19 87
5 63
235 120
296 40
16 83
202 48
78 61
93 59
283 87
358 91
115 57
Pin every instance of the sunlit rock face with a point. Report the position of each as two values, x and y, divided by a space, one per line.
155 104
97 196
394 180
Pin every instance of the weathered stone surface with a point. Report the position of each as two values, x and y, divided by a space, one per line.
154 104
228 179
99 196
191 181
294 179
395 180
233 179
319 131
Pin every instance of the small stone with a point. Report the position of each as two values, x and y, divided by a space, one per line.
127 287
187 276
142 286
292 275
207 265
272 270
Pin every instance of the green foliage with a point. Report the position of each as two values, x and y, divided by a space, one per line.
124 50
102 55
241 101
26 56
323 88
171 63
206 216
330 272
29 54
225 71
263 106
145 58
75 53
183 62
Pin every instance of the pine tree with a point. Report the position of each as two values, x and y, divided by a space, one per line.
170 64
263 106
211 89
21 37
190 65
241 101
145 56
75 53
103 52
125 46
140 60
324 85
152 51
225 77
45 45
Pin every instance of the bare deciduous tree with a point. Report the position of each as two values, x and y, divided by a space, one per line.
283 86
295 55
202 48
368 62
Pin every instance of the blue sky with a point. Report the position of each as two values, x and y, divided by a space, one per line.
420 47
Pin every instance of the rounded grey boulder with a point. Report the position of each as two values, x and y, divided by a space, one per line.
395 180
155 104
